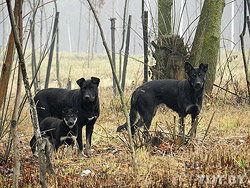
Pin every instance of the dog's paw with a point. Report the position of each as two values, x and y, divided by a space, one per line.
88 152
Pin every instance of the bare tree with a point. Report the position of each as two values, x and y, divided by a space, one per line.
113 49
33 56
125 62
51 50
145 44
13 129
164 17
206 43
246 19
57 53
42 158
7 64
123 38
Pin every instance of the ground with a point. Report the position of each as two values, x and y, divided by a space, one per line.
217 157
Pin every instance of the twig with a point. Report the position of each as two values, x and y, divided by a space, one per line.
131 145
38 8
208 127
226 90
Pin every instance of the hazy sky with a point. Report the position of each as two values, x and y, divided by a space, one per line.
73 40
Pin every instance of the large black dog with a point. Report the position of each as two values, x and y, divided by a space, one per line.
182 96
58 131
51 101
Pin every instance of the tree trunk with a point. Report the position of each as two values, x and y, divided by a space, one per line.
41 44
145 44
51 50
7 64
113 50
164 17
13 128
57 53
246 21
207 39
123 38
33 63
170 54
57 59
170 51
124 71
42 159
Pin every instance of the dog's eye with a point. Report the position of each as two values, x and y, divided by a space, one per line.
193 74
199 74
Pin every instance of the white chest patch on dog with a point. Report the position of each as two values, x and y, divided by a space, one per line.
91 118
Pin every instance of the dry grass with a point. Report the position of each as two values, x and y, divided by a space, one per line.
222 156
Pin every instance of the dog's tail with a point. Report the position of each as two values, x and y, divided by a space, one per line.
132 116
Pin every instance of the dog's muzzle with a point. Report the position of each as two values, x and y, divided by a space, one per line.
88 98
197 85
71 123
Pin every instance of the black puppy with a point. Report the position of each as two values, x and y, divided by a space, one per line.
50 103
182 96
58 131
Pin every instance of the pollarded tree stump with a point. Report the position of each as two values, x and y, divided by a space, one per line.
170 55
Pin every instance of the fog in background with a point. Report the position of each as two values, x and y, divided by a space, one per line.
74 35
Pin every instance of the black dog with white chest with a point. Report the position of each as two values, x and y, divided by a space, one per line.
182 96
51 101
58 131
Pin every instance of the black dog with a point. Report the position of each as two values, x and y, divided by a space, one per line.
182 96
50 103
58 131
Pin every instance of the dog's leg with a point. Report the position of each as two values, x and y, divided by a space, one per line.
89 131
57 145
182 129
194 124
147 116
79 139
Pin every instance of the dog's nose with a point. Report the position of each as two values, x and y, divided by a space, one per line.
87 97
71 122
197 85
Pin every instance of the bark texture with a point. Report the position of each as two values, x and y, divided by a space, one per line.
207 39
164 17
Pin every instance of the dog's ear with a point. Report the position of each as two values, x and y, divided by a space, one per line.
80 81
188 67
65 110
95 80
203 67
75 111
